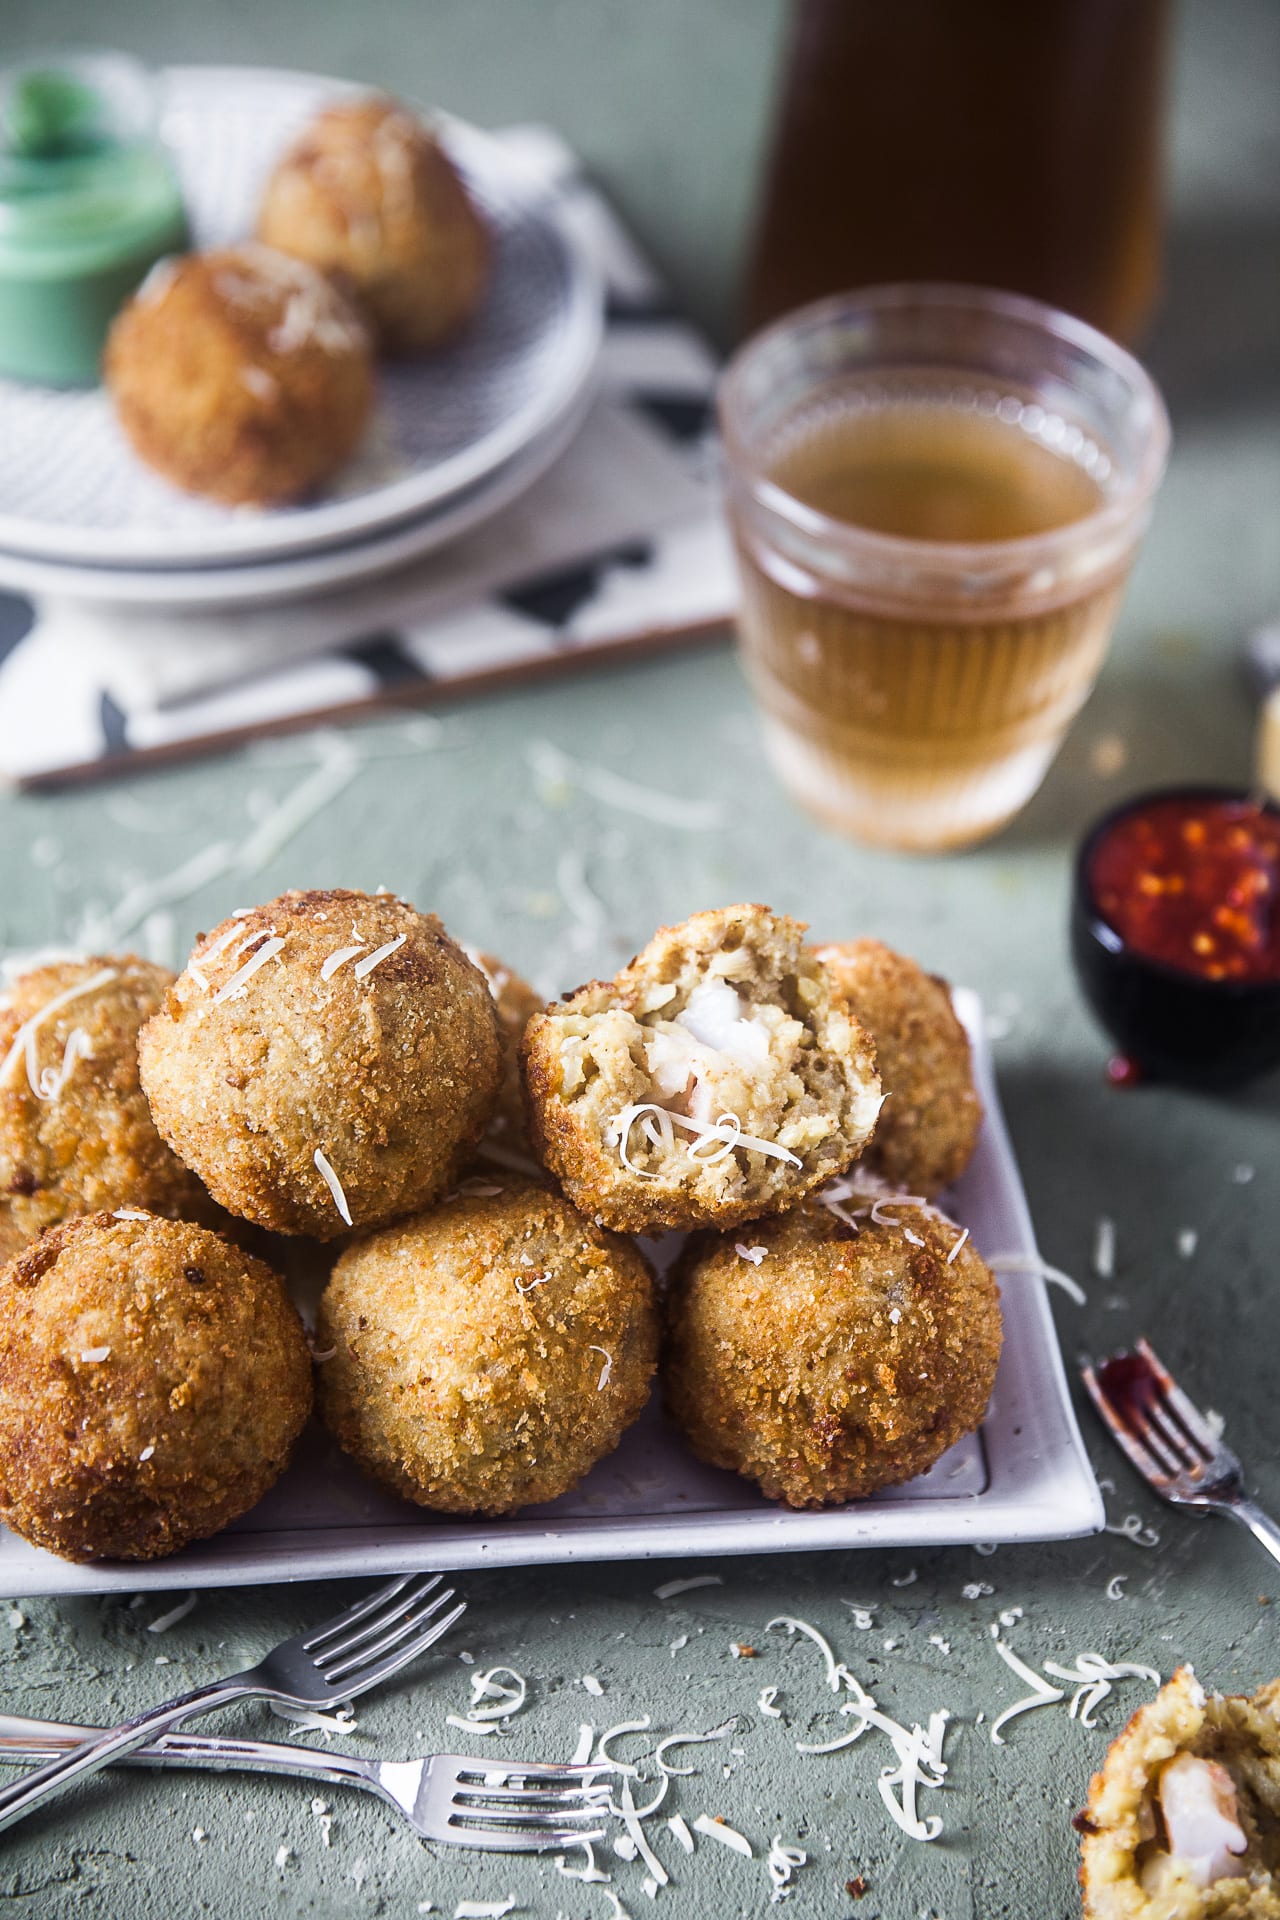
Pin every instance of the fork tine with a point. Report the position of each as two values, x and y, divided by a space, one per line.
1127 1415
403 1602
538 1799
383 1597
514 1841
1160 1422
530 1817
1160 1435
397 1632
1135 1449
371 1676
520 1796
1188 1414
503 1772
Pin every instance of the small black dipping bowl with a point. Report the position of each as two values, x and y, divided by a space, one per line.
1172 1024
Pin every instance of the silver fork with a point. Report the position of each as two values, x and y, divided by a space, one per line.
322 1668
503 1807
1171 1444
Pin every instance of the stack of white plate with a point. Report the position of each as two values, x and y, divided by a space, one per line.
455 436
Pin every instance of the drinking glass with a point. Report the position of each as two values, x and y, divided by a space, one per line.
913 692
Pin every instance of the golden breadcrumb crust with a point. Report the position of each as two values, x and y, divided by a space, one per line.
241 374
153 1381
91 1144
838 1363
932 1115
488 1353
814 1094
516 1002
1125 1871
390 1076
368 193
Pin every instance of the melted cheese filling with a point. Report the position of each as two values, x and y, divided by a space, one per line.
1201 1818
716 1036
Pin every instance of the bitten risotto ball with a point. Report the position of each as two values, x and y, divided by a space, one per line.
825 1363
323 1061
241 374
487 1354
368 193
1183 1821
76 1134
932 1115
715 1078
153 1381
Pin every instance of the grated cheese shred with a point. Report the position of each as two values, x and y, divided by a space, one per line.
605 1370
339 957
670 1588
1043 1693
724 1133
365 967
690 1740
632 1823
602 1753
590 1872
24 1040
781 1864
54 1079
678 1828
918 1750
1032 1263
508 1699
237 986
727 1836
1092 1676
333 1183
164 1621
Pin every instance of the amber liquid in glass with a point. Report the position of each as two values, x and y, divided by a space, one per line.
913 721
926 471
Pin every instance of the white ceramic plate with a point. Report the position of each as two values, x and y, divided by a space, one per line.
1024 1476
296 576
72 491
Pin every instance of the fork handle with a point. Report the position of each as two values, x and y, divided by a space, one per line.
1260 1524
24 1739
45 1782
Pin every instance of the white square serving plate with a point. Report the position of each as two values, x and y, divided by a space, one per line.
1023 1476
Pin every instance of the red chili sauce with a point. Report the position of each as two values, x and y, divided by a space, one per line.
1195 883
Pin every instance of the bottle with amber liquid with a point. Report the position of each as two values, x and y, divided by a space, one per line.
999 143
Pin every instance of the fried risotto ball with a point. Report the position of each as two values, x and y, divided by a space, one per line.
507 1133
932 1114
713 1079
241 374
1183 1821
76 1134
153 1381
825 1363
367 192
488 1354
323 1061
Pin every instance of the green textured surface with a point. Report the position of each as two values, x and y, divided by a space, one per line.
452 816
